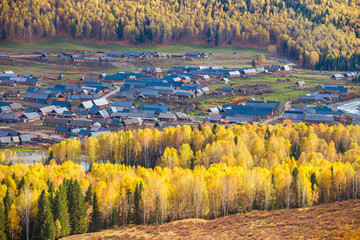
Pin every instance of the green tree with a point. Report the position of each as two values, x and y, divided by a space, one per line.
3 34
7 203
44 226
114 217
95 224
313 180
2 223
61 212
342 148
137 200
77 209
253 63
88 195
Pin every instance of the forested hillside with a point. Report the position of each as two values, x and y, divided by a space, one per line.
319 33
200 173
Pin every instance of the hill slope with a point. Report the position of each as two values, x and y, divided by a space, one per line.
325 32
328 221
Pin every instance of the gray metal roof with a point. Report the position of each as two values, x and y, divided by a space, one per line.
25 138
31 115
5 140
167 115
87 104
100 102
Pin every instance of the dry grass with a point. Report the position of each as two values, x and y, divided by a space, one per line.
340 220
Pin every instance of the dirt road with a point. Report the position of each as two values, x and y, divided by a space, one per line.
273 119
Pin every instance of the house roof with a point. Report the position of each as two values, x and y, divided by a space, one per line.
62 129
87 104
181 115
167 115
16 106
5 116
100 102
123 104
25 138
31 115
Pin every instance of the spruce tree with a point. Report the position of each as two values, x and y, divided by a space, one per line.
44 226
3 34
61 211
313 180
95 224
137 200
21 184
88 195
253 63
114 217
7 203
7 207
51 156
2 223
77 209
294 186
342 148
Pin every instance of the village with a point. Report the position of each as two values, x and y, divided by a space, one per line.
152 97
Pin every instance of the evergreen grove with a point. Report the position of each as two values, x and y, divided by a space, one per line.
240 169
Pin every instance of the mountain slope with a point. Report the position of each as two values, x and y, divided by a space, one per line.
318 33
329 221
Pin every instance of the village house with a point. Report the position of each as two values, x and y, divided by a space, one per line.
300 84
167 117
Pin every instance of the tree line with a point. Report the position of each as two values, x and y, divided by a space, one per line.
319 34
247 146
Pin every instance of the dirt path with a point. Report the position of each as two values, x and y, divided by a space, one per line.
117 88
273 119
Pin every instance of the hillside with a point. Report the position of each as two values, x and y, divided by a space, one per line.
326 221
321 34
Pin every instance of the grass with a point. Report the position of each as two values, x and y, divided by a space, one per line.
20 149
336 221
69 44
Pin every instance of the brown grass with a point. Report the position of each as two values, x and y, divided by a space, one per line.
340 220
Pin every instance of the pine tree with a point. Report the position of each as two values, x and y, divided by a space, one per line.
7 207
294 186
77 209
61 212
200 127
313 180
114 217
342 148
253 63
44 226
51 156
2 223
95 224
88 195
3 34
7 203
21 184
137 200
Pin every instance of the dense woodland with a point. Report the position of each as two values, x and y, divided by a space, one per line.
319 33
207 172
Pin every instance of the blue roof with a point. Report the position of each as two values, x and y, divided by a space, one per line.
190 88
29 110
60 103
247 110
155 108
85 132
226 89
123 104
62 129
2 104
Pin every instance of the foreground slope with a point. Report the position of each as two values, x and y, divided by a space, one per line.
326 221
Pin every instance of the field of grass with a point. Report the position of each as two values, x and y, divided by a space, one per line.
338 220
69 44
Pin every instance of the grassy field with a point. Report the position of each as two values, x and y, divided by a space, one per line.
69 44
338 220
